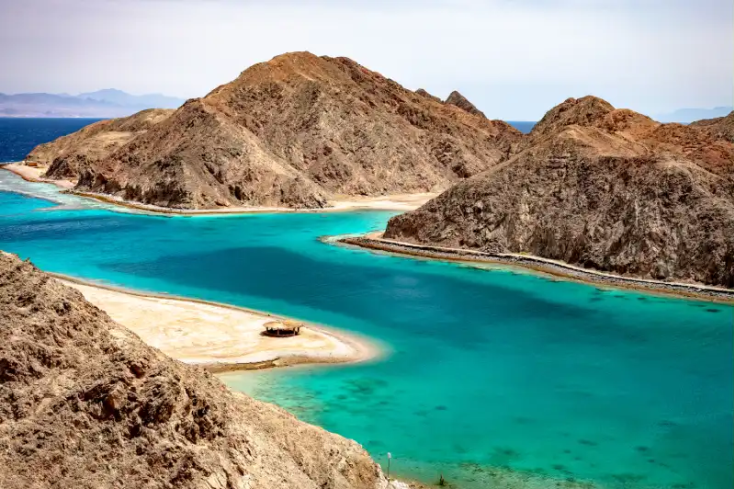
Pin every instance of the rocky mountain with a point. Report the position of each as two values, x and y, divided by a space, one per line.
97 105
599 187
457 99
68 155
84 403
296 131
718 128
124 99
693 114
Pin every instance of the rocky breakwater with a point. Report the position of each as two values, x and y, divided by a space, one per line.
84 403
602 188
298 131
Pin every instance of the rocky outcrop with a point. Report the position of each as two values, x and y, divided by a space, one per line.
457 99
297 131
69 155
718 128
599 187
423 93
84 403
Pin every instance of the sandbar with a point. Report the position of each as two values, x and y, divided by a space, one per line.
556 268
35 174
220 337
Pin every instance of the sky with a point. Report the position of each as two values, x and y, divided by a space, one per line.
515 59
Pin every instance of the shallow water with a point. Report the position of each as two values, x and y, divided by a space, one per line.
493 377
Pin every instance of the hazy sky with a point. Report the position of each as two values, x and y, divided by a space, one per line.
513 58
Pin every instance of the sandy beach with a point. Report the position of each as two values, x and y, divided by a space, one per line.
35 174
396 202
220 337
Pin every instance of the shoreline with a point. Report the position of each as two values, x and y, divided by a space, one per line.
375 242
395 202
33 174
203 333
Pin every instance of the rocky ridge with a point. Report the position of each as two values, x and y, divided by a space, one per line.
718 128
68 156
297 131
84 403
457 99
603 188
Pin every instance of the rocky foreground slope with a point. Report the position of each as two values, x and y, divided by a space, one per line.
85 404
297 131
604 188
68 156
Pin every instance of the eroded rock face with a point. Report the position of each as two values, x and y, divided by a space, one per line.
66 157
718 128
457 99
85 404
296 131
602 188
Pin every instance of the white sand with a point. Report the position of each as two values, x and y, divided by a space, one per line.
220 337
36 174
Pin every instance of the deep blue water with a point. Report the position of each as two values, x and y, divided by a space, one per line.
19 136
494 378
522 126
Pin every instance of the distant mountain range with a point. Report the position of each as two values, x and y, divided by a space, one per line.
100 104
694 114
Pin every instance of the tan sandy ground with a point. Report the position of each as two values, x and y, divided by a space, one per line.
35 174
220 337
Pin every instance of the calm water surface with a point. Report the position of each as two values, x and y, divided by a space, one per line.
494 378
18 136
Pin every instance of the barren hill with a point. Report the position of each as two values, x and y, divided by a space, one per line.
600 187
297 131
718 128
84 403
68 155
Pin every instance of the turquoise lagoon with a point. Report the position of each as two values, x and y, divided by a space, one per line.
495 378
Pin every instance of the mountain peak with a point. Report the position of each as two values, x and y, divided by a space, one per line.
457 99
584 111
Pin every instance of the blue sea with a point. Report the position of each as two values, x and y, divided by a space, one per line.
19 136
522 126
493 377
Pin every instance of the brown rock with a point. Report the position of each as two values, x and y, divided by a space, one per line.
718 128
424 93
295 131
68 155
85 404
599 187
457 99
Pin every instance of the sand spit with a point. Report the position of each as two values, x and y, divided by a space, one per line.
35 175
374 241
219 337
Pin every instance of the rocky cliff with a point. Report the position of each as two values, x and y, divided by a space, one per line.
68 156
457 99
297 131
85 404
718 128
599 187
